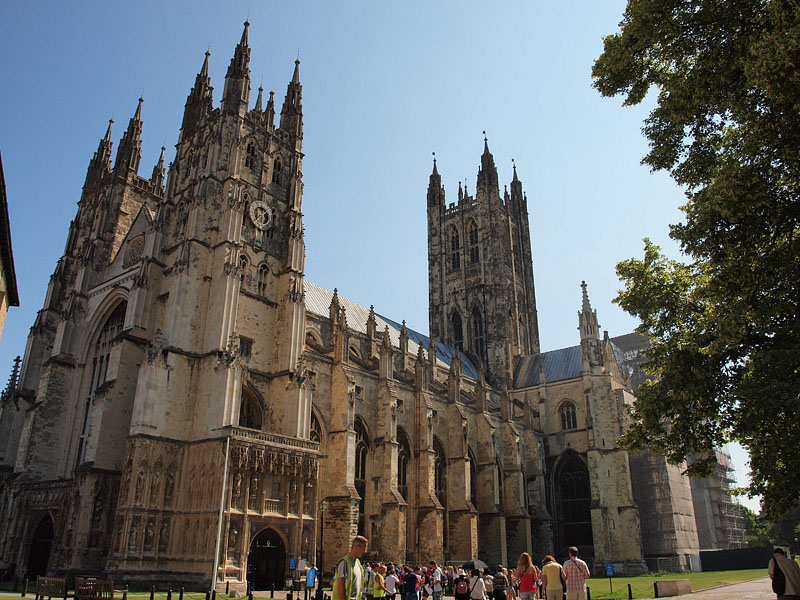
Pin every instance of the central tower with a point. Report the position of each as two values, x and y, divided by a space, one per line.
480 271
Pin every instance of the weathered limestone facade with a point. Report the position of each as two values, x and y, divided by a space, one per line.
191 411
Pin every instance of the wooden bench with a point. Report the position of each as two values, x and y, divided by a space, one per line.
671 587
50 587
89 588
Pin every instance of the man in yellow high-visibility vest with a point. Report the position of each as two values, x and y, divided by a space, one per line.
349 575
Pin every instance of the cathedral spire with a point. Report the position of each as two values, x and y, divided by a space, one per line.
259 106
292 110
435 188
157 179
487 173
130 147
102 158
236 94
199 103
587 318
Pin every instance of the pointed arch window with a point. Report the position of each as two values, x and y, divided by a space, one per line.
101 356
315 432
458 331
251 414
455 249
403 459
472 237
360 479
181 218
569 417
263 275
250 156
478 346
243 264
440 472
276 170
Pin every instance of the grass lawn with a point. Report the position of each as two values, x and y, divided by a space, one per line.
642 586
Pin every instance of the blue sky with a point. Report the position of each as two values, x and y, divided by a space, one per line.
384 86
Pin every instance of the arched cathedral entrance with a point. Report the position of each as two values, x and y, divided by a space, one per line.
39 554
574 506
266 563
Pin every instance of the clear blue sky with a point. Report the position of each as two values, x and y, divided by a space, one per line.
384 85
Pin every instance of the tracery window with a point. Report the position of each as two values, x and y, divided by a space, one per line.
474 251
440 472
250 156
101 355
455 249
458 331
250 413
360 479
263 274
181 217
403 458
276 171
477 333
569 418
243 268
315 432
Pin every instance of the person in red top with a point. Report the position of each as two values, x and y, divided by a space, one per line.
577 573
527 574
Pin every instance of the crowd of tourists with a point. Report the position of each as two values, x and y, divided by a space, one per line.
387 581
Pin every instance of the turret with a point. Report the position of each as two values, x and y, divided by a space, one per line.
199 103
587 318
157 179
102 158
292 110
130 147
236 94
270 110
435 189
487 173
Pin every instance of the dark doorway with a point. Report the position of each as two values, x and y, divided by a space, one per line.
575 501
266 563
39 555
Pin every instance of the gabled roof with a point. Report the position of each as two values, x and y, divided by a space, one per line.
318 301
559 365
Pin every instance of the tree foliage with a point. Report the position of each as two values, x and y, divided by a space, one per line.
726 323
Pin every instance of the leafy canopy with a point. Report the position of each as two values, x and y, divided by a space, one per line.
726 323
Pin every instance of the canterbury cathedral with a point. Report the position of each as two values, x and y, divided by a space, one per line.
190 410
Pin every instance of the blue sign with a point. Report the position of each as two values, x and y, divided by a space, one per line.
609 569
293 563
311 577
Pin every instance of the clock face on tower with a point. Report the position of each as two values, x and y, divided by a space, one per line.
261 215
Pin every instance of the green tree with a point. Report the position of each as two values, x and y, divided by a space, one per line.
755 529
725 323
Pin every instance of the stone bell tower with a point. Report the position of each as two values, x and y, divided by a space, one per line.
480 271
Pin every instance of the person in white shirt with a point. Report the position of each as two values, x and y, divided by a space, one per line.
391 584
477 588
436 580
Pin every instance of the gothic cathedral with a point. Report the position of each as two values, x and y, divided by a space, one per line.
190 409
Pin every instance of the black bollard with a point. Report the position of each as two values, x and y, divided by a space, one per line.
630 592
169 594
24 588
181 596
272 590
588 593
250 595
214 594
208 595
152 592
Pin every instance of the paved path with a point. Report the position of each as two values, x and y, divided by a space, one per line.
756 589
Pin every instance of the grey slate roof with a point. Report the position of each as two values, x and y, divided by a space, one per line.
318 301
559 365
